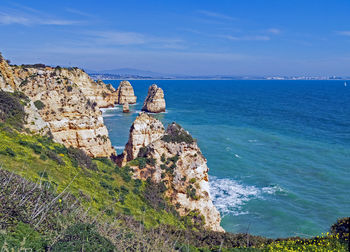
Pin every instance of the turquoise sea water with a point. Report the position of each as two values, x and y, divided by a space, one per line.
278 151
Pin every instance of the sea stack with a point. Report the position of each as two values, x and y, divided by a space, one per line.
154 101
126 108
174 159
143 131
125 93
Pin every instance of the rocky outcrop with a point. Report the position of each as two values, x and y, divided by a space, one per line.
126 108
154 102
64 101
125 93
7 82
143 132
175 160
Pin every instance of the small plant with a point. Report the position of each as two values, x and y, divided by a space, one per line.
9 151
39 105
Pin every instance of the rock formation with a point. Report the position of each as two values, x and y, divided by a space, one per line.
126 108
66 101
154 101
125 93
143 131
177 162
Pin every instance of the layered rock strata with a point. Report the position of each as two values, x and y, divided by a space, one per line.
154 102
175 160
64 101
143 132
125 93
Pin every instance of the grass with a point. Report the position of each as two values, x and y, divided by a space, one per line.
22 154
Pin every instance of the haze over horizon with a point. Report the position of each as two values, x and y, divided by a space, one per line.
253 37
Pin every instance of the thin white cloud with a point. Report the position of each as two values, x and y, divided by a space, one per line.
274 31
134 38
216 15
343 33
10 16
79 12
246 38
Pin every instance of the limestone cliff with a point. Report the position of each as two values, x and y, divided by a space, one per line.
154 102
143 132
7 82
177 162
125 93
64 101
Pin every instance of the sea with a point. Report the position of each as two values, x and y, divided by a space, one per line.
278 151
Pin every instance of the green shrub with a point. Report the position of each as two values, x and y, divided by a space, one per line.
43 174
80 158
22 237
82 237
10 152
105 185
11 110
176 134
341 228
53 156
106 161
39 104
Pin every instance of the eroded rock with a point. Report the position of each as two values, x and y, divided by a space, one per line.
175 160
125 93
154 102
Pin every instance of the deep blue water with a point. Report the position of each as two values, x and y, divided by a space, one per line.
278 151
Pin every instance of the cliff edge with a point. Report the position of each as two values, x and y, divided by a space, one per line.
174 159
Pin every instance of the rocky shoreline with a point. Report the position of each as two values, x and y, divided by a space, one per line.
66 103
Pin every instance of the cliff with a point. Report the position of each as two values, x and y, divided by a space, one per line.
125 93
65 102
154 102
174 159
143 132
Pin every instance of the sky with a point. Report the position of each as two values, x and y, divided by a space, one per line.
192 37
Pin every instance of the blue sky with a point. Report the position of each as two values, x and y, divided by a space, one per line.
233 37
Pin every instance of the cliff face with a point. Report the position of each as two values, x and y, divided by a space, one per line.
125 93
143 132
7 82
66 102
178 163
154 101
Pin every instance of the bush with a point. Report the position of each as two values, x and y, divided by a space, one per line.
82 237
341 228
176 134
11 110
22 237
10 152
39 104
105 185
53 156
80 158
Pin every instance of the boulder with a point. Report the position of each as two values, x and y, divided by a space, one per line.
126 108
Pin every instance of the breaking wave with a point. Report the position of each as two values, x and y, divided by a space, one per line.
229 196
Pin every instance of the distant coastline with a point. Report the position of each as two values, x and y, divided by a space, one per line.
106 76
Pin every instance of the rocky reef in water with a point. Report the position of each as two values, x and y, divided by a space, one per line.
154 102
65 102
172 158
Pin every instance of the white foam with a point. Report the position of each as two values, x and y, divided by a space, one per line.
229 196
237 156
106 110
119 147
